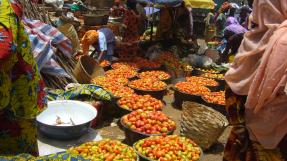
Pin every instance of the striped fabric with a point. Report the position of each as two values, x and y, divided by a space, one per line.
45 40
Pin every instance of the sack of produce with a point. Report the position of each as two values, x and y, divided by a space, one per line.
202 124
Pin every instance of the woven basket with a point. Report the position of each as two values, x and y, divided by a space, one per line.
202 124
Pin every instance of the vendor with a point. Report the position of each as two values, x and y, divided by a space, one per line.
233 33
105 40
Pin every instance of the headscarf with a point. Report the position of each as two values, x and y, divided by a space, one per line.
259 71
88 39
233 26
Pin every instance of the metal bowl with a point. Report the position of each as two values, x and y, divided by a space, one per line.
75 118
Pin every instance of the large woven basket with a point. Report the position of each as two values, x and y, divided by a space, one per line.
202 124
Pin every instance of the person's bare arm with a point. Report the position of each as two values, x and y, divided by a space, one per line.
101 55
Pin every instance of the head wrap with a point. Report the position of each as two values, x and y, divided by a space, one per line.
88 39
259 71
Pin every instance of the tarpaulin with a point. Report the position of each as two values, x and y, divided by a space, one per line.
45 40
204 4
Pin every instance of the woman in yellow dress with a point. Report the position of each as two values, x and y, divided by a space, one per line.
21 94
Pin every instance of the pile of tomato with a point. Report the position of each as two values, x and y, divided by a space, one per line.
215 97
201 81
105 63
122 73
190 88
125 65
149 122
147 64
208 71
148 84
157 75
144 102
213 76
103 81
168 148
106 150
119 91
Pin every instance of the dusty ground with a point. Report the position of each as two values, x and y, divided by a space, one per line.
214 154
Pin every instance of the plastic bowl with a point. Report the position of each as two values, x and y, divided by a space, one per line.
133 136
77 115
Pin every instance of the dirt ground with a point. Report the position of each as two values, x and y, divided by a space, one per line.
112 130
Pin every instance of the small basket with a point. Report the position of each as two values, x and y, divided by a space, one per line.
202 124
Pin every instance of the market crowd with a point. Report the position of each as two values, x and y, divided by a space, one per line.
255 82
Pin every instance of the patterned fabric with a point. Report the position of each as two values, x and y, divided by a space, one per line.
64 156
131 20
21 91
45 41
239 147
86 92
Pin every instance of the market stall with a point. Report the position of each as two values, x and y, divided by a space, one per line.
131 95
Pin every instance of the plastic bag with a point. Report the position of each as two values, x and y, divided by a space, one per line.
154 52
198 61
55 3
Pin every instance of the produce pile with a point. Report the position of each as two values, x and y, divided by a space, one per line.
105 150
201 81
144 102
168 148
146 64
157 75
103 81
213 76
208 71
168 59
215 97
122 73
149 122
125 66
119 91
191 88
105 63
148 84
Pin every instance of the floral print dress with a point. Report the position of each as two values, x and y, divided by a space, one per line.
21 94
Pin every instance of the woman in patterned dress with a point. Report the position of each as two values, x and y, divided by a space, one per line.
129 48
21 94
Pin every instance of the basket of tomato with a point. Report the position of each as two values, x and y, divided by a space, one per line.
215 100
218 77
156 75
124 65
107 150
142 124
187 91
122 73
211 84
136 102
167 148
155 88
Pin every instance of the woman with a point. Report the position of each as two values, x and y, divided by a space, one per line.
105 40
256 101
131 35
233 33
210 29
131 22
21 94
220 18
